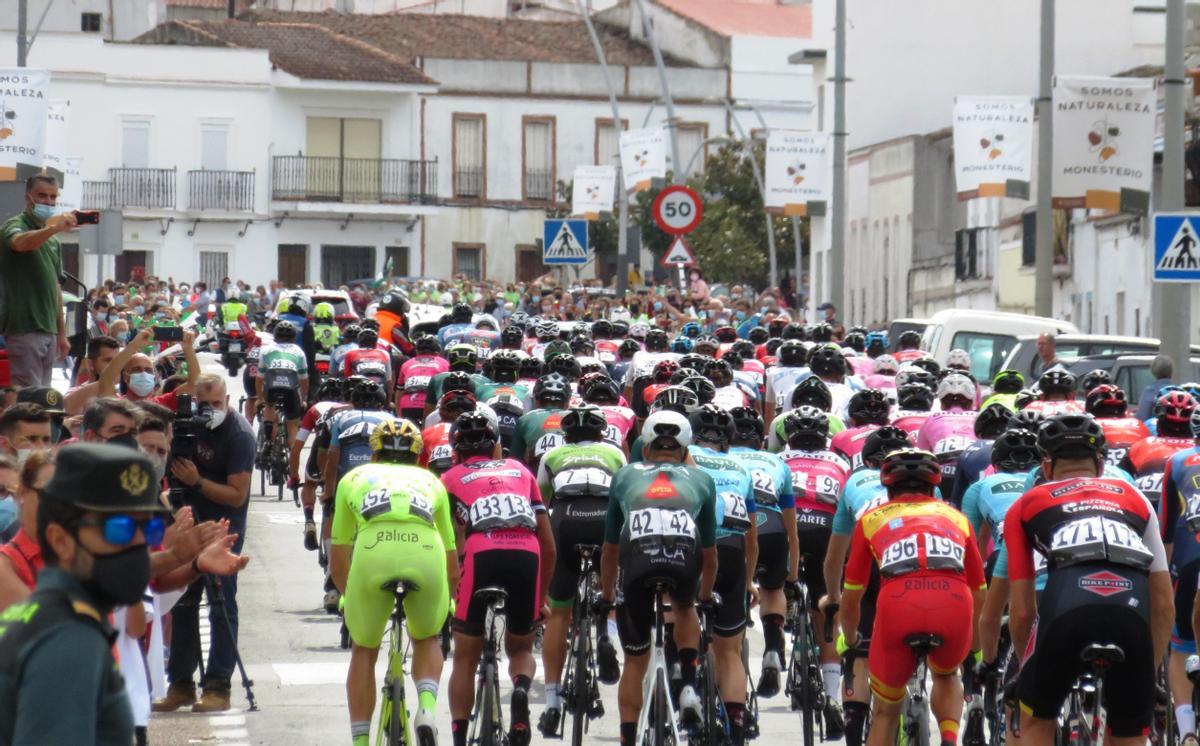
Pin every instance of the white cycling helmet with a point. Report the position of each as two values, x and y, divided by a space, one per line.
620 313
668 424
886 365
956 384
639 329
958 358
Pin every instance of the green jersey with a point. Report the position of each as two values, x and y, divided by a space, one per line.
538 432
390 493
578 470
484 392
434 390
327 336
283 356
656 502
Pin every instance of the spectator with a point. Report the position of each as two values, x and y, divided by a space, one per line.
24 428
1047 355
110 420
30 262
697 287
20 557
100 352
1162 367
830 313
139 376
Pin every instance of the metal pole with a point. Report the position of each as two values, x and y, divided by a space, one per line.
1043 294
651 36
22 23
1175 309
799 268
762 189
622 197
837 251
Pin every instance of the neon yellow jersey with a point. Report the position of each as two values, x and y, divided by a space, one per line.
393 493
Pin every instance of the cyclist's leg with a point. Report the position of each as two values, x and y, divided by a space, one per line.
635 627
772 603
1183 644
520 571
368 607
856 691
426 608
468 623
729 627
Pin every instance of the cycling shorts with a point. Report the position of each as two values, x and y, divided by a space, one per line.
1100 603
635 615
249 373
772 551
575 522
731 615
1183 639
918 604
312 473
414 415
813 527
289 399
517 571
387 551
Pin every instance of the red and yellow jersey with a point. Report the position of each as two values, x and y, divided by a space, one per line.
914 536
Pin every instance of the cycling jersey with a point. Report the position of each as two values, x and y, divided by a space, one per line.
398 520
947 434
777 437
537 433
350 432
781 381
753 374
434 393
1180 518
773 493
373 363
451 333
1008 400
308 424
731 397
1051 408
1146 461
907 356
862 366
1034 477
281 356
862 492
414 378
338 356
974 464
849 443
1120 433
987 501
620 423
881 382
436 452
643 363
910 421
485 341
606 352
817 480
735 491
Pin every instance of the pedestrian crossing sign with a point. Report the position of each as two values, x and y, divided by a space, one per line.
565 242
1177 247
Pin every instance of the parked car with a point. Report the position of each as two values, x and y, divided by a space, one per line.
1072 347
1130 372
989 336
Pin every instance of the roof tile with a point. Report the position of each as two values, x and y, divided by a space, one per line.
746 17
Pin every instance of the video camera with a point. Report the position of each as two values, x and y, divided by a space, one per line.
191 419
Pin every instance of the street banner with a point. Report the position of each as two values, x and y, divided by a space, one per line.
70 192
1103 143
643 157
797 179
54 157
593 190
993 146
23 104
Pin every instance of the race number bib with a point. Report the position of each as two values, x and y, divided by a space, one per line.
735 515
942 553
1192 513
547 443
583 481
441 453
820 487
764 488
1151 487
1095 538
650 523
871 504
1114 456
282 363
612 435
900 557
419 507
501 511
376 502
416 384
947 446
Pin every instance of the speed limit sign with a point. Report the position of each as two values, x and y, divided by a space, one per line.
678 210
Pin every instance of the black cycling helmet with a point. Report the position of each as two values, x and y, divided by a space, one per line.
505 366
369 324
462 357
928 364
285 331
583 345
1008 382
827 360
351 331
602 329
758 335
703 388
1094 378
474 432
720 372
883 441
992 420
909 340
657 340
600 389
748 426
1056 381
856 341
456 402
679 399
743 347
331 389
581 424
512 337
1016 450
775 327
822 333
806 428
367 339
461 313
711 424
427 344
457 380
793 331
869 407
1026 419
812 391
531 367
910 468
566 366
707 345
1071 436
552 387
620 329
792 354
394 301
365 393
774 343
1106 400
628 348
555 348
694 362
915 397
914 374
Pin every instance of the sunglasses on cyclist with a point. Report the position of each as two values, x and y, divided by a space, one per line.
120 529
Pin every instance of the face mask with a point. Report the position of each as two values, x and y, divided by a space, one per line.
160 466
142 383
139 310
129 440
218 417
44 212
658 306
119 579
123 337
119 299
23 455
741 315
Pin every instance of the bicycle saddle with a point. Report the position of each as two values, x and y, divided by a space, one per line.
1102 655
399 587
586 550
491 595
662 585
923 642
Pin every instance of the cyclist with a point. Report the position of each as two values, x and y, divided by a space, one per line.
508 544
914 402
948 432
884 377
1107 404
1107 584
458 326
867 411
976 459
908 347
438 452
1005 386
504 393
539 430
829 364
818 476
778 542
1147 458
349 341
329 399
395 518
811 392
737 555
603 392
326 333
392 316
295 309
1057 387
931 583
283 378
413 382
368 361
790 367
574 481
679 399
661 523
460 357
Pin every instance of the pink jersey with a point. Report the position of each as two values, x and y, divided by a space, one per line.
910 421
496 502
1051 408
907 356
620 422
849 443
414 379
606 350
947 433
862 366
754 370
881 382
817 478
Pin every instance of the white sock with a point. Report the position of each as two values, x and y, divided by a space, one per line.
832 674
552 696
1185 716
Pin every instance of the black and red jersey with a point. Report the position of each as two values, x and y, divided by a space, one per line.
1147 460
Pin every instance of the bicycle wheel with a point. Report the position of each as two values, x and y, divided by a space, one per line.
713 727
398 723
490 730
802 651
580 678
663 734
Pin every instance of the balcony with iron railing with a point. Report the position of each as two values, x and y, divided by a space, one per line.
353 180
230 191
539 185
149 188
468 182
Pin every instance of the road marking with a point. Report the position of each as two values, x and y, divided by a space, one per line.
311 674
286 520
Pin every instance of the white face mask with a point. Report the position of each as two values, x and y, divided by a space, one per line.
218 417
23 455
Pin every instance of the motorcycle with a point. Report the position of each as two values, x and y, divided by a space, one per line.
232 346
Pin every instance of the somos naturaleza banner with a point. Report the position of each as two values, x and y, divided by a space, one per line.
993 146
54 155
592 191
1103 143
23 105
643 157
797 178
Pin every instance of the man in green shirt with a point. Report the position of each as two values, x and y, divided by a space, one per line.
30 262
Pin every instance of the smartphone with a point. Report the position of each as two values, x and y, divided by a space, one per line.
168 334
86 217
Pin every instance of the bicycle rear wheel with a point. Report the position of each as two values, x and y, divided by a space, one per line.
803 664
663 733
491 732
580 680
398 723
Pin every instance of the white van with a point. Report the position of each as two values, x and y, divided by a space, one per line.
989 336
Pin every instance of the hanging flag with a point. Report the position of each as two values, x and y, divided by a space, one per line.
593 190
387 274
993 146
1103 143
643 157
54 159
797 178
23 105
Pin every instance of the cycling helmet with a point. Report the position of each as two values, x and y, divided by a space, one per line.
914 397
743 347
956 385
1194 423
663 370
909 340
691 330
323 312
367 339
806 428
812 391
297 305
910 467
531 367
1174 407
693 362
620 328
776 326
858 329
665 425
703 388
959 359
822 333
1025 397
909 373
793 331
284 331
706 344
1191 388
827 360
461 313
748 426
711 424
758 335
628 348
881 442
1071 436
512 337
1106 400
365 393
394 301
454 403
657 340
555 349
566 366
639 330
1094 378
1026 419
720 372
582 345
1056 381
928 364
877 343
400 440
774 343
992 420
869 407
427 344
1016 450
351 332
474 432
725 334
856 342
552 387
886 365
675 398
735 358
1008 382
601 329
583 423
682 345
462 356
330 390
792 354
457 380
519 318
546 330
369 324
600 389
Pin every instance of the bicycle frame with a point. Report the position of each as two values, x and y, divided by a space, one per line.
656 684
915 717
393 714
487 720
804 689
580 682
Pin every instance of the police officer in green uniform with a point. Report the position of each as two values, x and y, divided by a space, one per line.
59 682
325 329
231 309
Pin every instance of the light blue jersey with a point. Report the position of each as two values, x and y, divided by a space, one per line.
770 476
735 490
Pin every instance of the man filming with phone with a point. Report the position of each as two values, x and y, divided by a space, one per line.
30 262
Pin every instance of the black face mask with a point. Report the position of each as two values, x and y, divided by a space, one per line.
119 579
127 439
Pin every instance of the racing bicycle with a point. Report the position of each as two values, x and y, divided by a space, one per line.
487 720
580 688
393 714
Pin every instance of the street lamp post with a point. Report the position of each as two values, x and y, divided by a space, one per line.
722 139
